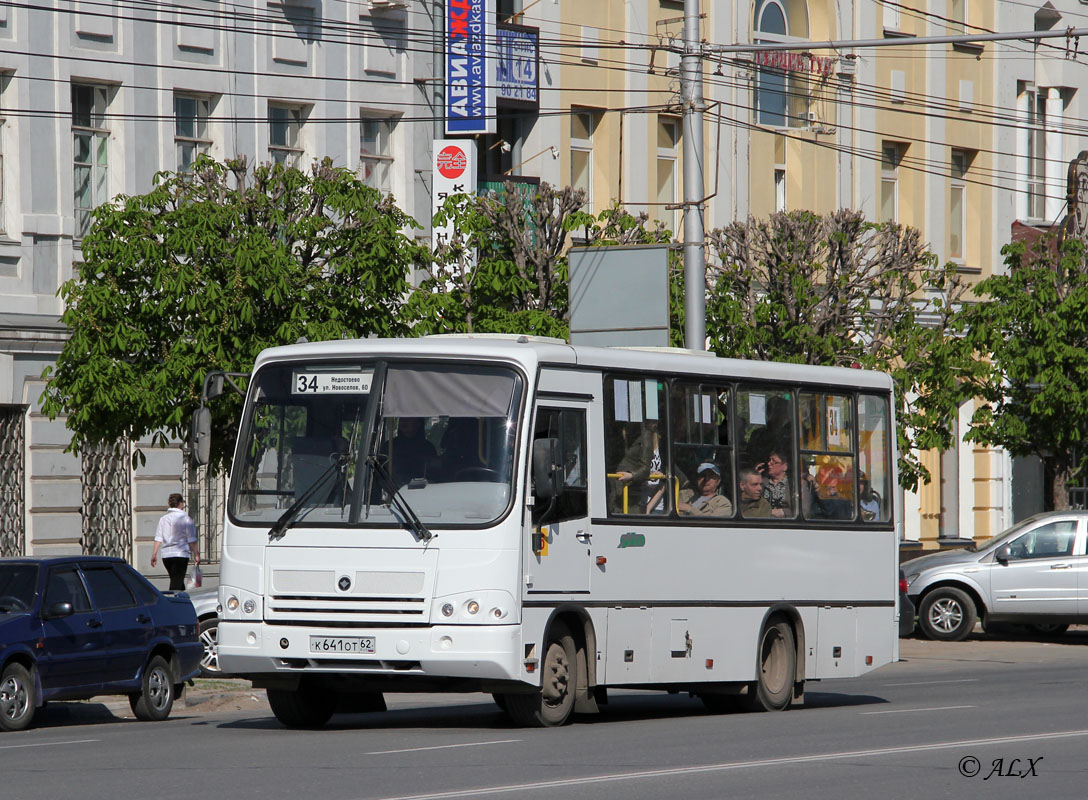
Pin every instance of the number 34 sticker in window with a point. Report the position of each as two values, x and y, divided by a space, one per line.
331 382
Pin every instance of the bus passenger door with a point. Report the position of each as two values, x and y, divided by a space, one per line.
558 557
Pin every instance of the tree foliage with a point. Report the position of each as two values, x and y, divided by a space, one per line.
206 270
504 269
1031 329
838 290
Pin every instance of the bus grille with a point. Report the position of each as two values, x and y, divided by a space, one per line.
346 611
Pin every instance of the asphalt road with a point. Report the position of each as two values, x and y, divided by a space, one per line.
981 718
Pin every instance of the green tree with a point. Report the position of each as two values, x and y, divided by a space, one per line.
1031 329
838 290
203 272
505 269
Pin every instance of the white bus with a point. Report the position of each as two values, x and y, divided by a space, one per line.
544 522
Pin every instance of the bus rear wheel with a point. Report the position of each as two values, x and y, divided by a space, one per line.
308 706
552 705
773 689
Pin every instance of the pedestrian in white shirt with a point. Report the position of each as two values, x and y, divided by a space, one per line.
176 537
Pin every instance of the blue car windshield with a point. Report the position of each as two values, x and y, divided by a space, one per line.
18 583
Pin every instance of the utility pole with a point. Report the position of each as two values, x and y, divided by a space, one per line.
691 99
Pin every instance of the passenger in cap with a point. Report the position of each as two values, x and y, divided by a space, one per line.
705 499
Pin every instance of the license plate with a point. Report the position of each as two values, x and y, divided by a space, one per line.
341 644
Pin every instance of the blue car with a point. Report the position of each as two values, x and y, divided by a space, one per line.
75 627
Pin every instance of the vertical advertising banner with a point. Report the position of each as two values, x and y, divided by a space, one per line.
470 67
453 165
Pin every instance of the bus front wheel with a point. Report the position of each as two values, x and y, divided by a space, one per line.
773 689
308 706
553 704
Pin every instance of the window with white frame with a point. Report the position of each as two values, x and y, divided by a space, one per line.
376 151
191 114
3 208
285 133
583 126
891 15
779 173
890 157
90 136
772 85
959 161
668 142
1036 154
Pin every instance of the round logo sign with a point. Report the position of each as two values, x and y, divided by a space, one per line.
451 161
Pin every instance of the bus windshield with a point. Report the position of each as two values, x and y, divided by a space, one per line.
338 437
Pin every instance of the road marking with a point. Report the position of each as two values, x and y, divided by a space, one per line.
439 747
46 744
733 765
931 683
909 710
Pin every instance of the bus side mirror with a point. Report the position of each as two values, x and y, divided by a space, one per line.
213 386
200 435
1001 555
545 471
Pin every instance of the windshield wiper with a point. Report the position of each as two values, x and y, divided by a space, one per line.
396 499
280 526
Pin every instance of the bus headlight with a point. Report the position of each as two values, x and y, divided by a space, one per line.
476 607
232 603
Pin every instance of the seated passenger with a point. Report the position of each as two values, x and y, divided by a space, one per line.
642 469
705 499
869 500
413 455
776 484
752 502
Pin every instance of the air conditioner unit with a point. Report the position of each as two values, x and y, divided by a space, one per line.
812 118
387 5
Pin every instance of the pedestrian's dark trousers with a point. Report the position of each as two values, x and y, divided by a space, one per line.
176 568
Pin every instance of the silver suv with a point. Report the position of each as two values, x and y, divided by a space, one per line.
1036 573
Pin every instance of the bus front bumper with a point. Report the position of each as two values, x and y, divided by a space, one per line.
480 652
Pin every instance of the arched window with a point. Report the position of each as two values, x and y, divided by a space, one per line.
771 84
780 100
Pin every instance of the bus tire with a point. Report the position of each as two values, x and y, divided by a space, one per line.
776 669
552 705
947 614
308 706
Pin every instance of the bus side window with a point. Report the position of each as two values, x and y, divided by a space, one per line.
639 479
568 427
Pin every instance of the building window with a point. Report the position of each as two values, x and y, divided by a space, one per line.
285 134
891 157
375 151
668 140
779 173
90 139
1036 154
957 204
583 126
957 17
891 15
782 98
191 128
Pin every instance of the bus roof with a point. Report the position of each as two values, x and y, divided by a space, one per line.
532 351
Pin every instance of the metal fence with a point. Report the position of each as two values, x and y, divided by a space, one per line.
12 481
106 482
205 494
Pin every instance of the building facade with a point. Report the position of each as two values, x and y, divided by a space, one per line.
963 141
